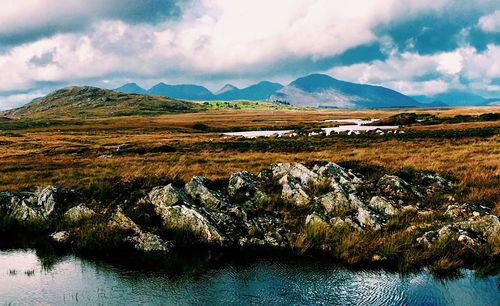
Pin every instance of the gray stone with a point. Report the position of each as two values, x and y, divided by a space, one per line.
60 237
79 213
382 206
198 189
335 200
296 171
293 192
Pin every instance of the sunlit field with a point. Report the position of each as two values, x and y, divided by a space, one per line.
77 152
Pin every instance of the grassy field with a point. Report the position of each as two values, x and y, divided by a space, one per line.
82 152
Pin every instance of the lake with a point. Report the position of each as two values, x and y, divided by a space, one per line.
26 278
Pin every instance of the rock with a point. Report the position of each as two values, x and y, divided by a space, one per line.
60 237
243 185
366 217
198 188
121 222
265 230
394 186
293 192
141 241
336 200
337 222
193 220
78 213
169 195
484 226
31 206
466 240
148 242
315 220
296 171
340 175
382 206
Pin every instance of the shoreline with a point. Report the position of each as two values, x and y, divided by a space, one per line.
356 217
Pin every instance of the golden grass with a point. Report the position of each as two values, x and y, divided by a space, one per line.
70 155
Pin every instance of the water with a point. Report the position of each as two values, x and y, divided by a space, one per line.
27 279
356 127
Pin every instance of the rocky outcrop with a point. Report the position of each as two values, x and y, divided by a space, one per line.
30 207
142 241
79 213
275 208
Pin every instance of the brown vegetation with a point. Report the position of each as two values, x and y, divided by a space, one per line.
80 152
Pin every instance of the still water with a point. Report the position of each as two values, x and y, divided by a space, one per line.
26 279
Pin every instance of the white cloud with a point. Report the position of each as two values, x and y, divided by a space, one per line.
412 73
216 36
491 22
16 100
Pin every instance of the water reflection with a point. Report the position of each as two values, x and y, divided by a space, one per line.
75 281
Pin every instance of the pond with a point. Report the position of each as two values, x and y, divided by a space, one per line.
356 126
26 278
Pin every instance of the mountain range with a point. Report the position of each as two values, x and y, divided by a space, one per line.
456 98
315 90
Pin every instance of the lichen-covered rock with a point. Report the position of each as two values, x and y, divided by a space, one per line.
198 188
316 220
394 186
337 222
383 206
78 213
335 200
60 237
365 216
168 196
141 241
265 230
27 207
244 186
148 242
193 220
339 175
293 192
296 171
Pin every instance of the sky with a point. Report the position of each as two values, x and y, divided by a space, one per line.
418 47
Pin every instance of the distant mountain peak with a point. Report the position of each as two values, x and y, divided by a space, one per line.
131 88
226 88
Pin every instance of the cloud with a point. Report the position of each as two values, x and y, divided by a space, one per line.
16 100
28 20
413 73
411 44
491 22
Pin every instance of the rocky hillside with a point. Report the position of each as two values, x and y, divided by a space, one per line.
96 102
409 220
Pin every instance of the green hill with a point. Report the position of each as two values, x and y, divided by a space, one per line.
78 102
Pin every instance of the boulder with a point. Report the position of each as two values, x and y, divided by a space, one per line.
293 192
168 196
31 206
394 186
335 200
266 230
339 175
60 237
148 242
244 186
198 188
296 171
382 206
366 217
78 213
141 241
193 220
